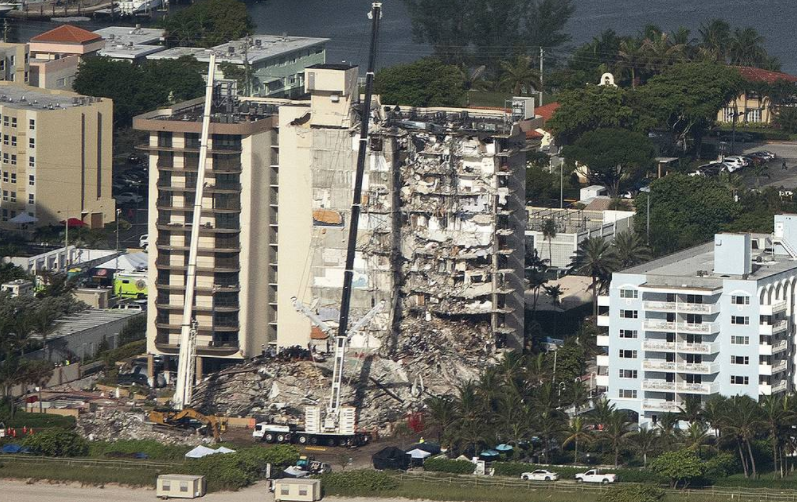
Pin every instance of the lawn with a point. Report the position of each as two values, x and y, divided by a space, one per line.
86 474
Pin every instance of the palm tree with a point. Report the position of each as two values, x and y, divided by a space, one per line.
555 293
603 410
535 276
691 409
514 418
470 423
549 233
597 258
519 75
747 48
442 414
668 425
742 419
644 441
760 170
715 40
578 430
660 51
778 417
695 435
631 56
714 412
630 249
616 430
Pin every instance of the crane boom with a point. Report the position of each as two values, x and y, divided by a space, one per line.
184 386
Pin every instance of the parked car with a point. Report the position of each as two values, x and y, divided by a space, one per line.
737 160
143 241
137 305
127 197
766 155
539 475
740 137
596 476
710 169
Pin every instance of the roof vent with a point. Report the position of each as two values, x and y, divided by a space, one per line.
231 49
258 42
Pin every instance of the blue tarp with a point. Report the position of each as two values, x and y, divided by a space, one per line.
14 448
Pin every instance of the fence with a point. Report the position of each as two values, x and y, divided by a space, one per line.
85 462
569 486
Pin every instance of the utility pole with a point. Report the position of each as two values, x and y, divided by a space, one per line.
542 85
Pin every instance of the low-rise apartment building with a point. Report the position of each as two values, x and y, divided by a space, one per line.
55 156
713 319
55 55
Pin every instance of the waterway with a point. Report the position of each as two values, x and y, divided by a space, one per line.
345 23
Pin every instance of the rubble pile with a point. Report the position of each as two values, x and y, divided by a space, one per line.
115 424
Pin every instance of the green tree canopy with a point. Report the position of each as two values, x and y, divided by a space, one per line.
589 108
680 467
426 82
207 23
136 89
685 211
686 98
612 156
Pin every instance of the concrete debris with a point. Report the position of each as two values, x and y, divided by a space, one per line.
116 424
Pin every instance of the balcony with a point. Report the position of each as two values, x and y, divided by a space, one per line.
660 345
603 301
658 385
766 369
780 387
682 307
698 348
681 367
603 321
682 387
681 327
660 405
602 380
776 348
771 329
603 341
774 308
657 364
602 360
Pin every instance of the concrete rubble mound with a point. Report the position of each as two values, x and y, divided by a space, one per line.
116 424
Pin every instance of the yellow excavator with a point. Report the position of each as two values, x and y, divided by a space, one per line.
173 418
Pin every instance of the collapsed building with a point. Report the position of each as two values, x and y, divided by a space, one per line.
440 240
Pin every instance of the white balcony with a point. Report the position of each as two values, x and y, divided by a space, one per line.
602 340
771 329
700 368
602 380
603 301
660 345
698 348
658 364
682 307
660 405
603 321
773 309
764 389
658 385
698 388
681 327
777 348
602 360
780 387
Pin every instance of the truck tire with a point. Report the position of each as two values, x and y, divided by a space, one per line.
579 480
303 439
605 481
280 438
313 440
547 478
268 437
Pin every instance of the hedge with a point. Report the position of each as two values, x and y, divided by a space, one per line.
363 480
154 450
237 470
449 466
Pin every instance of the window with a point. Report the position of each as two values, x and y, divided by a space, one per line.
740 340
13 141
5 195
629 293
740 360
285 490
31 161
302 491
626 393
754 115
5 121
60 82
13 177
5 138
727 115
629 314
32 143
31 180
13 160
32 125
628 373
737 319
5 214
628 333
739 380
13 121
694 319
30 199
5 176
628 354
740 300
166 486
13 197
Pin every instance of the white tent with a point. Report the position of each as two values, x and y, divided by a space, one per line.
224 450
417 453
200 451
23 219
127 263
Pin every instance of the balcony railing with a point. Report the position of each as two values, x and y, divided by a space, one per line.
779 387
681 367
658 345
682 327
771 329
688 388
686 308
660 405
773 308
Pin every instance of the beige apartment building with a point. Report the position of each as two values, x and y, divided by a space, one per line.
14 63
440 239
56 155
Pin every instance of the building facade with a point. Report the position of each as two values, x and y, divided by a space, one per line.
752 106
714 319
56 156
14 63
55 55
440 239
233 269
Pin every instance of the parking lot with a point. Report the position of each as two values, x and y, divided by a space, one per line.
130 189
778 177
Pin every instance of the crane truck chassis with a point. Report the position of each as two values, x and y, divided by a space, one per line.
273 433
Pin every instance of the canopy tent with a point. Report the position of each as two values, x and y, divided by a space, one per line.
200 451
126 263
73 223
504 447
418 454
222 449
432 448
390 458
23 219
488 454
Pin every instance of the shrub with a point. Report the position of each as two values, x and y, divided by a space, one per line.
363 480
449 466
37 421
153 449
234 471
681 466
721 465
134 330
57 443
632 493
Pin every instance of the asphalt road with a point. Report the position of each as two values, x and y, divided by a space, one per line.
778 177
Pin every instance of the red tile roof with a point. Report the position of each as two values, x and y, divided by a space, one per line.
546 111
67 34
758 75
